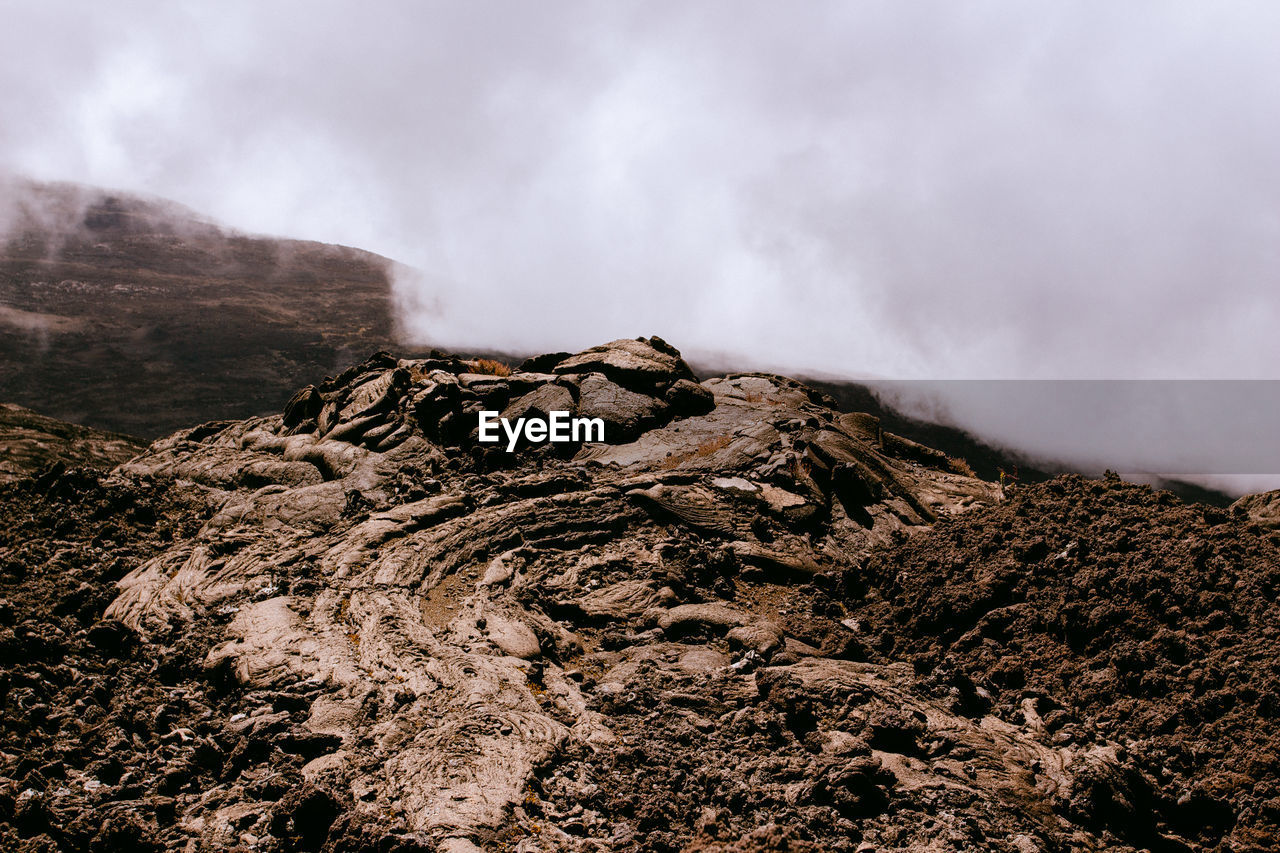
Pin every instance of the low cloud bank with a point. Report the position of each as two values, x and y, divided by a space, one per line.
940 190
1219 433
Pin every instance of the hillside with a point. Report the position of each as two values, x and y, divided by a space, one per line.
136 316
986 460
139 316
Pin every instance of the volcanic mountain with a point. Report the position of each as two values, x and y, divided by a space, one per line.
745 621
137 316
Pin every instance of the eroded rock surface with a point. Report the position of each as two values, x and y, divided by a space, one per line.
1262 509
31 442
361 629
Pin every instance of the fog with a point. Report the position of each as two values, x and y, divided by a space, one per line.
925 190
1218 433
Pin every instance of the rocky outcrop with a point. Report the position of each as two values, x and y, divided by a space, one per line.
408 639
1262 509
31 442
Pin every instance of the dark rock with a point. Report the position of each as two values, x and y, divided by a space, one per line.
642 365
124 831
303 406
686 397
111 636
302 818
543 363
626 414
540 403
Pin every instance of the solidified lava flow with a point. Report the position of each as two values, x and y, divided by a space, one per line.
745 621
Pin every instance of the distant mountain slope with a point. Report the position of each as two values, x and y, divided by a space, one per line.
986 460
30 441
183 320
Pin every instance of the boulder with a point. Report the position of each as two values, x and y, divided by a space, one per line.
438 396
761 637
1262 509
540 402
686 397
625 413
512 636
685 617
544 362
303 406
642 364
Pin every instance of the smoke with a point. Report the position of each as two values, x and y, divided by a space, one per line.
989 189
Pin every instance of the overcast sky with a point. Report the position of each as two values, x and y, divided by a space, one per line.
906 189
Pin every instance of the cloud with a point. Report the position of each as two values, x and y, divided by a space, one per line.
1218 431
989 189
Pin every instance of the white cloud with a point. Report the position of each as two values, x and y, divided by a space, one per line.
1049 189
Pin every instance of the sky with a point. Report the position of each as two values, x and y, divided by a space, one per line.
911 190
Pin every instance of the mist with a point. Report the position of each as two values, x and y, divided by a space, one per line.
932 190
1217 433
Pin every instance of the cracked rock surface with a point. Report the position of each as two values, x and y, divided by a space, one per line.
352 626
32 442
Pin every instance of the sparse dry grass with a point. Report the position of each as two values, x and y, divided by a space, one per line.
712 445
703 450
490 367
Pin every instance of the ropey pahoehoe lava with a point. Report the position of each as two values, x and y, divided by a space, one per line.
744 621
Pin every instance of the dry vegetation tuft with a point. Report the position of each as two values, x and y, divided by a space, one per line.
490 367
703 450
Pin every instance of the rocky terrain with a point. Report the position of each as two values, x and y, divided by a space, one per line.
745 622
31 442
137 316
